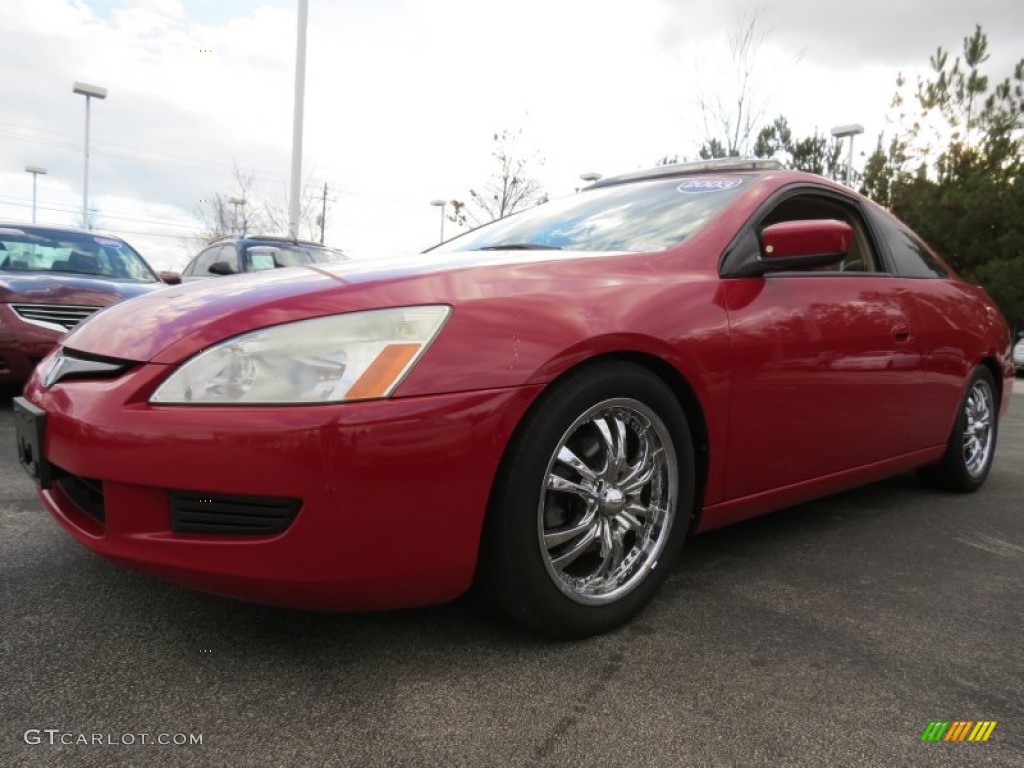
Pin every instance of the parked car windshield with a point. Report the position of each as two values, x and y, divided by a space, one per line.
39 250
638 216
272 256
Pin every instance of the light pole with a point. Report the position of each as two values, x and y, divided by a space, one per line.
440 204
841 132
300 97
238 202
90 92
35 170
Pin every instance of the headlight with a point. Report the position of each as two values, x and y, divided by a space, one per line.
357 356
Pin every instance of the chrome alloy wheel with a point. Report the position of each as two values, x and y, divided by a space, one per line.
608 501
979 410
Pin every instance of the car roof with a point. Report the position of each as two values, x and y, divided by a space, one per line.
269 239
25 227
720 165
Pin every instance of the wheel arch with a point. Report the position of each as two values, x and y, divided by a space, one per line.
684 393
687 397
997 376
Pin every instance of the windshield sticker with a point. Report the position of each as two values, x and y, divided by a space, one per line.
106 242
709 184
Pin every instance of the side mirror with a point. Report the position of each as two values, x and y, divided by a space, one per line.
804 244
171 278
220 268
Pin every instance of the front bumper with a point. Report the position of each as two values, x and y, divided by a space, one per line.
393 493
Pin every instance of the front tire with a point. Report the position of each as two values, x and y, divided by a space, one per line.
972 444
592 503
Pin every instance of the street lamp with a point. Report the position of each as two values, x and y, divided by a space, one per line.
90 92
841 132
299 102
238 202
35 170
589 178
440 204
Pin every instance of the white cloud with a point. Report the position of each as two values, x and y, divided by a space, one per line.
402 96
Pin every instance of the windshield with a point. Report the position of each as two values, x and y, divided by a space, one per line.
36 250
640 216
272 256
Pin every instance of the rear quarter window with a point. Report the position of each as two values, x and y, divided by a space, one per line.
911 257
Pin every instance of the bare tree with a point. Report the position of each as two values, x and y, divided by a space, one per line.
275 211
90 222
243 210
510 188
731 115
230 214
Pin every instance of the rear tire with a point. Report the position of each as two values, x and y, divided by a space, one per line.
592 503
972 444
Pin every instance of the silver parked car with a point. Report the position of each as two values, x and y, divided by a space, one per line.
1018 354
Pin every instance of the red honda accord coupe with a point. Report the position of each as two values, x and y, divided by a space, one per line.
547 405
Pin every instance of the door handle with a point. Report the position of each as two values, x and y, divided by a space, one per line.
901 333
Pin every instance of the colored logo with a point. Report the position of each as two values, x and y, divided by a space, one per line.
708 184
958 730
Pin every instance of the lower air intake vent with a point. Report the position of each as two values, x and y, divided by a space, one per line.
87 494
231 515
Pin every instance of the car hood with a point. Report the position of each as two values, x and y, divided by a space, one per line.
171 325
51 288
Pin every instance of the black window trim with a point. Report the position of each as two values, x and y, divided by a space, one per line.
234 260
875 217
194 267
729 262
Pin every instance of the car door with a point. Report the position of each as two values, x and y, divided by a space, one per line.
953 318
825 364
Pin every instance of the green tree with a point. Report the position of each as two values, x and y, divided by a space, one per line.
712 149
814 154
954 173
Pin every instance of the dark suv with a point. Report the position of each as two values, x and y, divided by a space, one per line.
236 255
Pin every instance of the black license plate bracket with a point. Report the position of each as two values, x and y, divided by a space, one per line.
30 435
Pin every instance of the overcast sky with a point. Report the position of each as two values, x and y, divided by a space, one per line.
403 96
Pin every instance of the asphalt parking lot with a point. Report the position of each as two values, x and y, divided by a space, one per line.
828 634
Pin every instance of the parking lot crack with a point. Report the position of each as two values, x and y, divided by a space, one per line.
569 721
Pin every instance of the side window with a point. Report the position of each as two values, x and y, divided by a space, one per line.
261 258
911 256
862 256
201 265
229 253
